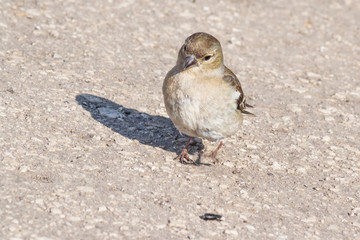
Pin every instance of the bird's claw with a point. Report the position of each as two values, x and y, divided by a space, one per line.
212 155
184 157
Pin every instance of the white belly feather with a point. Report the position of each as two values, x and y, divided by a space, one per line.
206 109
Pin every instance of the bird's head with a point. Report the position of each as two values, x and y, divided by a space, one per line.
200 50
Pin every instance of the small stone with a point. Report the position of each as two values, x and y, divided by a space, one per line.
161 226
74 218
251 146
294 108
92 99
102 209
328 110
333 228
286 119
329 119
176 223
250 227
89 226
326 138
299 89
276 166
110 113
39 201
86 189
355 212
311 219
229 164
313 75
301 170
233 232
55 211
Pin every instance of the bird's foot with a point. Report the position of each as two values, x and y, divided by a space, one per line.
214 153
184 157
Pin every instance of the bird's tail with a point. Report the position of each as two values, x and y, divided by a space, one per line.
243 105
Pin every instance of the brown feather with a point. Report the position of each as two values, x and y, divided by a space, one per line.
231 78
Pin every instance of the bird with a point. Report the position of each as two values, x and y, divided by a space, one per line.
203 97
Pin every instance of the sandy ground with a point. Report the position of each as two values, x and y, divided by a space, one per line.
87 150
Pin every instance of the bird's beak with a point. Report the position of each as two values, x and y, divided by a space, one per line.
189 61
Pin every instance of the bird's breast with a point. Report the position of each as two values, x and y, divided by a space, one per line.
203 106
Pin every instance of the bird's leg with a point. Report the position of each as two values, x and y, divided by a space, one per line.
213 154
184 153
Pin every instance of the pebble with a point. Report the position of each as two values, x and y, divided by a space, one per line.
177 223
326 138
232 232
310 220
328 110
110 113
250 227
102 209
294 108
276 166
86 189
74 218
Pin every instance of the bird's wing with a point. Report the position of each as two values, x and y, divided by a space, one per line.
231 78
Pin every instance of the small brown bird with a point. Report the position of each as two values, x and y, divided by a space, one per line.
202 96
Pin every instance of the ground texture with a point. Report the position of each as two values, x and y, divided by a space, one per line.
86 147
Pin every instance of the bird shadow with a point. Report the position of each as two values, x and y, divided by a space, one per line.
156 131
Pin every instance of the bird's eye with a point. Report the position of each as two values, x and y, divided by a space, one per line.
184 47
207 57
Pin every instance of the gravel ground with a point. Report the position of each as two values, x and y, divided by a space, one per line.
87 150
